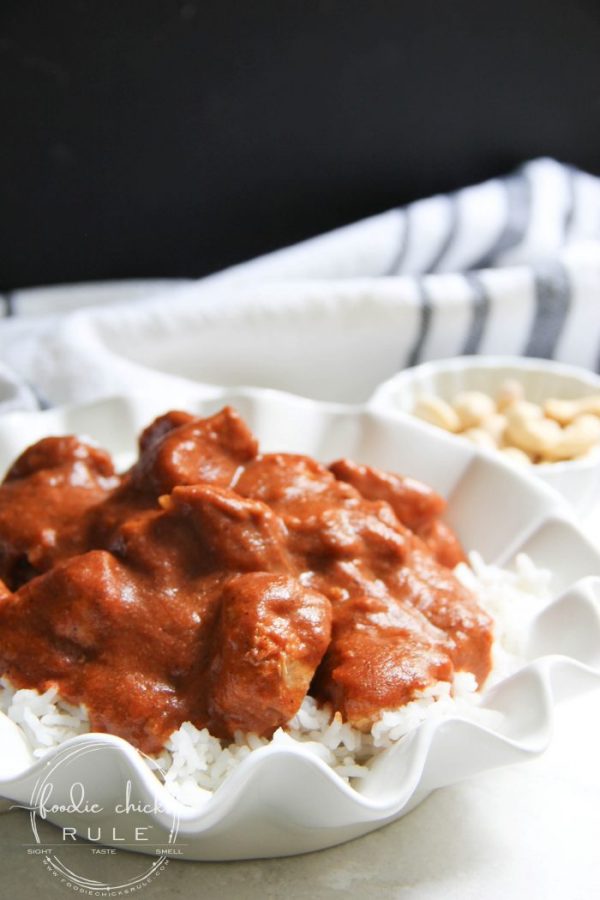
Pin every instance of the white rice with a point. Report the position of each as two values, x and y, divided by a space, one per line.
196 763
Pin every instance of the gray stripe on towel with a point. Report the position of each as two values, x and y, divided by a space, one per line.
40 397
569 173
449 236
479 315
518 212
426 312
552 304
8 304
598 359
398 258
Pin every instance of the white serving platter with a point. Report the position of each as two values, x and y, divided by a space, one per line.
283 800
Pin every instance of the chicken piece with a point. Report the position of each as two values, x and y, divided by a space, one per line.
176 449
197 450
161 426
324 518
401 621
271 636
231 532
416 505
108 639
283 479
437 593
443 543
382 652
137 634
43 498
396 631
59 619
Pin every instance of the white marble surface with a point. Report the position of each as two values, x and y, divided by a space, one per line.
527 831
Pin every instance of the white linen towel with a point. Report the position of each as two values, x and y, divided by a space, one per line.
511 266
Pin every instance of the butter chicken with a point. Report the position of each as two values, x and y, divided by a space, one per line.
219 585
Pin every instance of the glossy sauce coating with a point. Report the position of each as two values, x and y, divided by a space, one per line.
217 585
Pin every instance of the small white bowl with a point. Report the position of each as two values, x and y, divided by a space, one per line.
577 480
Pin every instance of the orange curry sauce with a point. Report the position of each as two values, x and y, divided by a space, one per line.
215 584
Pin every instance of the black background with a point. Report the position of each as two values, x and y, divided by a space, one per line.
164 138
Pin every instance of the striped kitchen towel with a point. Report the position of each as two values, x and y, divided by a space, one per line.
510 266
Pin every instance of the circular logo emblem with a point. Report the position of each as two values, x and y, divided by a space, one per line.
98 815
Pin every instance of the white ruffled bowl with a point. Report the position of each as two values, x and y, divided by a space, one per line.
282 800
577 480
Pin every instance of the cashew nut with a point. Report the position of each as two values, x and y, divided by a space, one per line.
575 439
495 426
437 412
524 432
472 408
565 411
511 391
480 438
515 455
528 430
